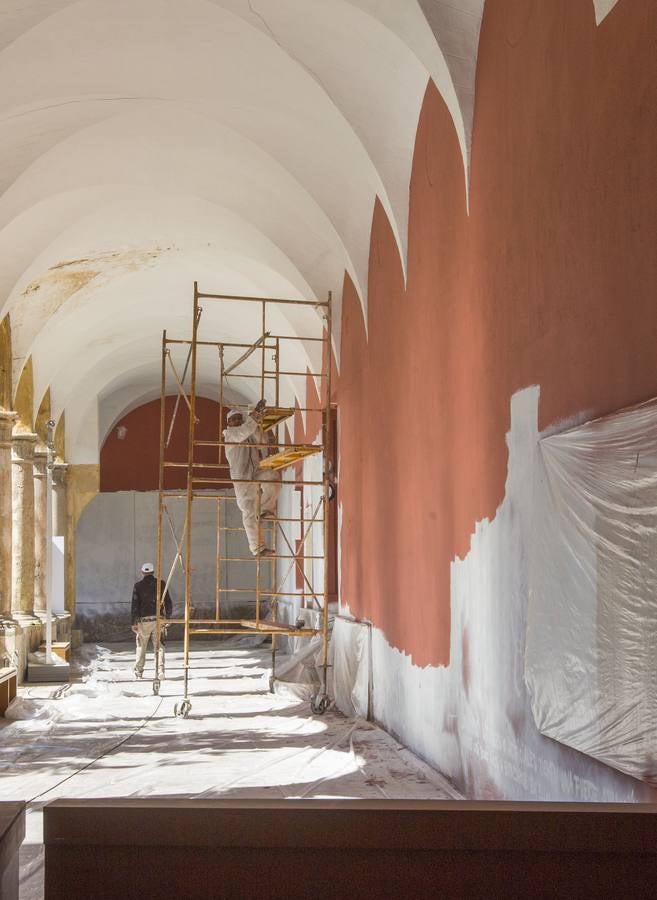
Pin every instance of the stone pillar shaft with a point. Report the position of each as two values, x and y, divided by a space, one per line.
40 531
7 420
23 525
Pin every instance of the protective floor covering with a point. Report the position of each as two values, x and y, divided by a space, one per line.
106 735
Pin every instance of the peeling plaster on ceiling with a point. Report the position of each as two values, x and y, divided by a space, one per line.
78 379
323 265
603 8
272 103
44 296
240 143
103 328
218 237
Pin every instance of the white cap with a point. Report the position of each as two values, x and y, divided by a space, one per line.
233 412
148 568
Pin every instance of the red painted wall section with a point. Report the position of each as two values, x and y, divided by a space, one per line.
131 463
550 281
315 399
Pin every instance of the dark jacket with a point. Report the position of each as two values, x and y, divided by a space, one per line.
144 599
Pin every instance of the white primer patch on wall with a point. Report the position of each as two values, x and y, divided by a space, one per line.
472 719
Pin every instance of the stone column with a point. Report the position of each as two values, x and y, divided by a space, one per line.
22 568
7 420
59 499
40 531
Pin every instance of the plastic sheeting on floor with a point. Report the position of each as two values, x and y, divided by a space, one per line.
591 654
106 735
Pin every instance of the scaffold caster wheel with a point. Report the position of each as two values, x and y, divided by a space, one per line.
319 704
182 708
156 687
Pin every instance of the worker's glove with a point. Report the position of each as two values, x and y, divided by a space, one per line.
260 406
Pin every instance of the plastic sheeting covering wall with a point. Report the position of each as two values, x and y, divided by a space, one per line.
117 532
591 652
352 672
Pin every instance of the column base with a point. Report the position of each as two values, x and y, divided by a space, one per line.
10 631
26 619
32 630
60 623
12 646
64 623
42 617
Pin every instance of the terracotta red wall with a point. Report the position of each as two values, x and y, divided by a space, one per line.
132 463
550 280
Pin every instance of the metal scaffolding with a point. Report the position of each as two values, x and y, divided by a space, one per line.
206 483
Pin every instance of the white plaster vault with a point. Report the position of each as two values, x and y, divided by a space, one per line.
241 143
145 143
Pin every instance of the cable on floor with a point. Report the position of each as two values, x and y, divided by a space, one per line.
101 755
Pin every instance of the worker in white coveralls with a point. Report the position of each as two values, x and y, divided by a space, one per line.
242 437
144 619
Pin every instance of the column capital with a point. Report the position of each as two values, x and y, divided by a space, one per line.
59 471
40 461
23 445
7 421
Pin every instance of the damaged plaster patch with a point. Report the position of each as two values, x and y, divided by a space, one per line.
69 276
46 295
63 284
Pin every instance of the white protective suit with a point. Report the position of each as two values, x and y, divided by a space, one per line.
244 460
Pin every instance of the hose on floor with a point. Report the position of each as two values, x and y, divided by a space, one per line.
100 756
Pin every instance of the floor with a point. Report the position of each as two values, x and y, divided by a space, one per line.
106 735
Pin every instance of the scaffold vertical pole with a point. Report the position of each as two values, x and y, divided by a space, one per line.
217 583
260 534
277 370
183 707
326 441
220 450
160 510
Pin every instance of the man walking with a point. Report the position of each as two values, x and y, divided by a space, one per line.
244 462
144 619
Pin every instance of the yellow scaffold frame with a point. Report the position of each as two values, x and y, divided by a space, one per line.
197 475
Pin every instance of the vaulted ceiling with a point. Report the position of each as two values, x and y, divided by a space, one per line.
240 143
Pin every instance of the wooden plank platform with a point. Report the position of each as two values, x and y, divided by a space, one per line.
274 415
246 626
288 457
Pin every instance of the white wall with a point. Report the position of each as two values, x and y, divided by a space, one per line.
117 532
